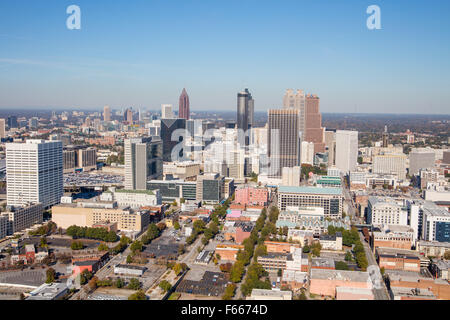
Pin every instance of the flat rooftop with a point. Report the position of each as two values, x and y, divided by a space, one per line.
311 190
354 276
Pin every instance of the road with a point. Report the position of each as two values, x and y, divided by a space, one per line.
382 293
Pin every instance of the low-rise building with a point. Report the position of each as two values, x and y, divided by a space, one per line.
432 248
129 270
397 259
349 293
228 252
49 291
324 282
331 242
21 218
266 294
440 268
394 236
252 196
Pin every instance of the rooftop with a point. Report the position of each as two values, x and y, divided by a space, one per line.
354 276
311 190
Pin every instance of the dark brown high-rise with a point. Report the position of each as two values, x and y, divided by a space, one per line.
183 111
314 132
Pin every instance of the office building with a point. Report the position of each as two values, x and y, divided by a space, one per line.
210 188
284 140
394 236
184 111
314 132
390 164
143 162
291 176
252 196
34 172
88 213
106 114
12 122
346 150
296 100
330 146
307 154
79 158
421 158
385 210
2 129
23 217
326 282
173 136
174 189
166 111
446 157
436 223
134 199
245 113
330 199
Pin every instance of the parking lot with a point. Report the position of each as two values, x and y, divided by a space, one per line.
28 278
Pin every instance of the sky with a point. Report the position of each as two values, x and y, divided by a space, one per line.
142 53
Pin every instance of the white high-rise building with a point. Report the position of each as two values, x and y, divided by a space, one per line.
390 164
34 172
166 111
346 150
291 176
307 155
296 100
2 129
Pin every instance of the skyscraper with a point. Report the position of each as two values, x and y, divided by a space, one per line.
2 129
346 150
143 162
129 116
297 101
421 158
106 114
173 135
284 140
166 111
12 122
183 110
313 123
245 112
385 137
34 172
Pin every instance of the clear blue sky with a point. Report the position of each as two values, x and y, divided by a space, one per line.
141 53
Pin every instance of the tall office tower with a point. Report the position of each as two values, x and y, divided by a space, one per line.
385 137
346 150
446 157
330 146
143 162
313 123
166 111
34 172
307 156
296 100
390 164
421 158
129 116
245 113
12 122
2 129
236 163
284 140
183 109
173 136
106 114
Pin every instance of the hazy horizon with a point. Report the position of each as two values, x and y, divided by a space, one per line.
144 53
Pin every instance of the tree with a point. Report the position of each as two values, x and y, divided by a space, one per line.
119 283
136 246
43 242
165 286
341 265
93 283
306 249
176 225
51 275
199 225
229 292
77 245
315 249
236 272
129 259
103 247
138 295
134 284
447 255
348 256
177 269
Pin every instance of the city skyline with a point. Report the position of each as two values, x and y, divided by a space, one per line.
351 68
